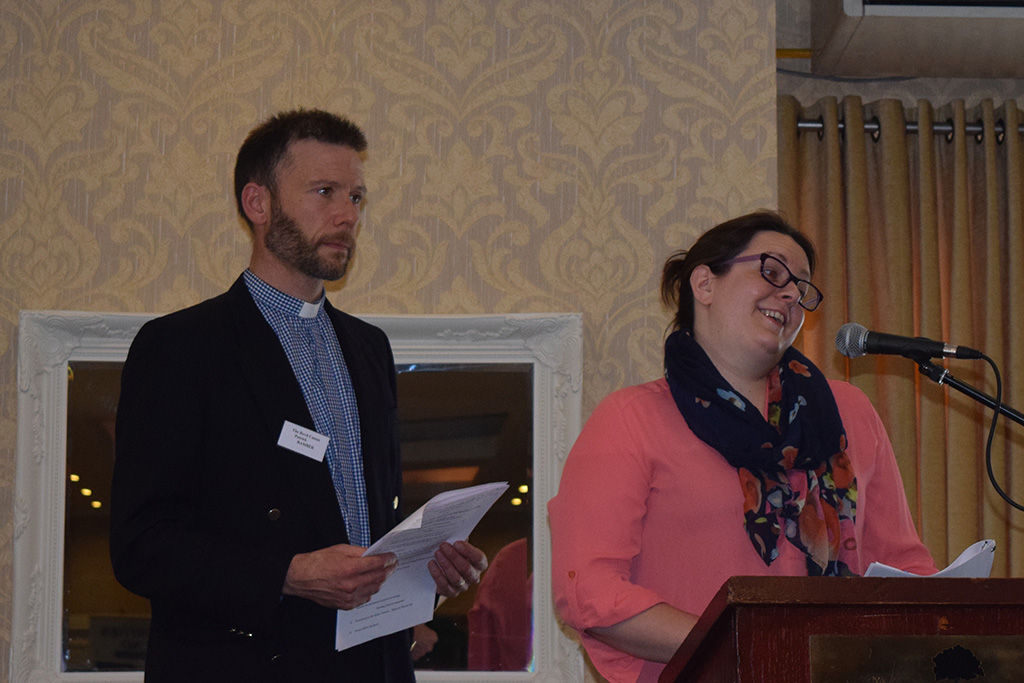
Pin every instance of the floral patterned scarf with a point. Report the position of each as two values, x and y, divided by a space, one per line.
792 467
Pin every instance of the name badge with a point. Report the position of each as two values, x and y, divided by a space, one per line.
303 441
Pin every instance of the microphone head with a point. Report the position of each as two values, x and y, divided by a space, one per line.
850 340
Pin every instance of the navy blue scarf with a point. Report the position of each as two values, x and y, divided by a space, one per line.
792 467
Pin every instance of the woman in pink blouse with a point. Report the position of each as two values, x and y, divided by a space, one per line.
743 460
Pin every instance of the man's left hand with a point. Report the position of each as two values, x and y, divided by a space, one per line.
456 567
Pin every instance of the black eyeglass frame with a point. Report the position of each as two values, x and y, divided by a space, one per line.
805 287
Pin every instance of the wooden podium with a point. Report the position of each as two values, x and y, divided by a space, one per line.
853 630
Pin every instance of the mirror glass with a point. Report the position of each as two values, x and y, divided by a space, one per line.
105 627
460 425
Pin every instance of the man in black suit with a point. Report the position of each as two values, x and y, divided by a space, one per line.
257 446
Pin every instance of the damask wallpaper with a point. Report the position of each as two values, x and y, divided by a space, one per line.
525 156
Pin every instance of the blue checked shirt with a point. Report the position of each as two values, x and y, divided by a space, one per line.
312 347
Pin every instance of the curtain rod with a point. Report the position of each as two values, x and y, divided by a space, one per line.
873 127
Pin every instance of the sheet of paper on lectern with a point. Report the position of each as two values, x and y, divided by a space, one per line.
973 563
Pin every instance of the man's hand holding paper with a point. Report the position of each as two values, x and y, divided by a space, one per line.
456 567
433 558
339 576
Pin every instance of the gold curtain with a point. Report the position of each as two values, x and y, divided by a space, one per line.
922 234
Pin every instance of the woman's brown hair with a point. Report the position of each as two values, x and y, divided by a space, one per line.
714 247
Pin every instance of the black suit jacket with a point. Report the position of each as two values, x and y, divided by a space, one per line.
207 510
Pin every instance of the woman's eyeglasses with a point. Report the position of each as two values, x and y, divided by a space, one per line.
778 274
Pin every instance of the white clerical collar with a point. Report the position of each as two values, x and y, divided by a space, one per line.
277 299
309 310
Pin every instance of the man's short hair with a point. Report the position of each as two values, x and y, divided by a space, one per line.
268 144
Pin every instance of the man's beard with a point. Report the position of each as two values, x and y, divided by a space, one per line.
286 241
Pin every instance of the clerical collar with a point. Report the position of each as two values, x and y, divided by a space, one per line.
271 296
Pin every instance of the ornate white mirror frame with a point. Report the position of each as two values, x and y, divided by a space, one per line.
49 340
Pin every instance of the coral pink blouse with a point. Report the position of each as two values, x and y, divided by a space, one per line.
648 513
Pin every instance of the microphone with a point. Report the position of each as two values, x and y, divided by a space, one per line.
853 341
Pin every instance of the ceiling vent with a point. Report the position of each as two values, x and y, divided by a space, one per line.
862 38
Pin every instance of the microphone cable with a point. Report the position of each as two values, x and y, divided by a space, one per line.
992 435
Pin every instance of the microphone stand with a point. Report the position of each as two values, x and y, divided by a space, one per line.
941 375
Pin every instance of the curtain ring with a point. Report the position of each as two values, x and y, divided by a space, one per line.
979 137
952 130
821 127
1000 131
876 134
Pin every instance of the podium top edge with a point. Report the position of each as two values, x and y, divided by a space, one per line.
795 590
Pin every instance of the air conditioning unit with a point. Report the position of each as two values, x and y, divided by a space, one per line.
965 39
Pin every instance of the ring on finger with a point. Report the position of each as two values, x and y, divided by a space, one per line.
462 585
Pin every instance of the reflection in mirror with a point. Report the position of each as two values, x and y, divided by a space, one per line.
71 621
463 425
460 425
105 627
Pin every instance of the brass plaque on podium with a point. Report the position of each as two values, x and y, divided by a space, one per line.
886 658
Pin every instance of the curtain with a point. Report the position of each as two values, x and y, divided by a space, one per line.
922 234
